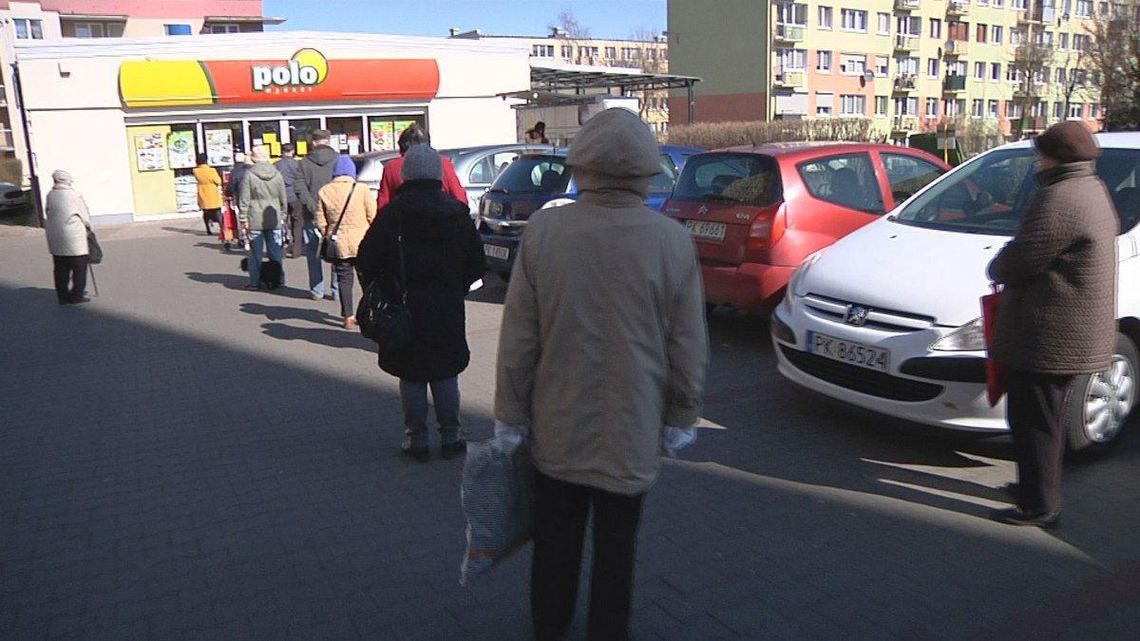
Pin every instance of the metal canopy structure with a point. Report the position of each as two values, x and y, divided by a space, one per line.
550 85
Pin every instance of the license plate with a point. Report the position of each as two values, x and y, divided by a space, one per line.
706 230
850 352
494 251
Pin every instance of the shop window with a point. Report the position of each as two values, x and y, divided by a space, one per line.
347 134
266 133
223 141
301 133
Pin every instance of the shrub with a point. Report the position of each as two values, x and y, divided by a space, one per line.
715 135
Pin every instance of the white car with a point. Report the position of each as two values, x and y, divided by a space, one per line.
888 318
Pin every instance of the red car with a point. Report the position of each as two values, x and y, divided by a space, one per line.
757 212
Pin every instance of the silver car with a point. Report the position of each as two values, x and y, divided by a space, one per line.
478 167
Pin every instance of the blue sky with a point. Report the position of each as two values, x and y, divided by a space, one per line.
604 19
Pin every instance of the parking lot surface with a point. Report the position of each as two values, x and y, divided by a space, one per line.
182 459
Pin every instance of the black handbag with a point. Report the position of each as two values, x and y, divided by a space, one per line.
330 250
387 322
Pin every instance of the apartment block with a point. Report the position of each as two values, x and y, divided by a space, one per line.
912 65
48 20
650 55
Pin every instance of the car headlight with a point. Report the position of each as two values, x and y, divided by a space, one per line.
795 284
967 338
557 202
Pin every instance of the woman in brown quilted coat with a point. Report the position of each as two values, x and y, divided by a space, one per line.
345 195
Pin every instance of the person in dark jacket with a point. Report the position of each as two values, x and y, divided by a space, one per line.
442 258
242 164
289 167
315 171
1057 323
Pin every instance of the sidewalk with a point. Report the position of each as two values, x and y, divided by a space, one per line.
182 459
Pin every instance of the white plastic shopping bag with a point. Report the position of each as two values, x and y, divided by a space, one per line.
497 494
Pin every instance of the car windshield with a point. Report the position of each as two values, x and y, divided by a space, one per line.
663 182
534 175
990 194
751 179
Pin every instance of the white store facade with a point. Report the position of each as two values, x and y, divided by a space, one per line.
128 117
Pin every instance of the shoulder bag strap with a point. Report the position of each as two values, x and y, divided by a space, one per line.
343 209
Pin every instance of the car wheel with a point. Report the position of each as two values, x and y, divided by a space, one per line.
1106 401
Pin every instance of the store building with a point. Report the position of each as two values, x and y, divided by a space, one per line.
127 117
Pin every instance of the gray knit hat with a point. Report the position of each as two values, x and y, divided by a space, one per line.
422 163
61 177
616 142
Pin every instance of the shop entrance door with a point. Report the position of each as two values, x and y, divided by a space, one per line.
347 134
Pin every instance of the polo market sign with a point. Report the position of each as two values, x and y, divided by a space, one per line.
308 67
307 76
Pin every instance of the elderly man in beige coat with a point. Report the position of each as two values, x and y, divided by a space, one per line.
67 221
602 355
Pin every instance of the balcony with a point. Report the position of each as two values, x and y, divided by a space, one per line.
957 9
904 42
790 80
1034 123
956 48
789 33
904 124
907 5
905 83
953 84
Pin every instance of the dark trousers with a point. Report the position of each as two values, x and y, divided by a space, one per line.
296 222
70 270
211 216
560 512
345 270
1040 411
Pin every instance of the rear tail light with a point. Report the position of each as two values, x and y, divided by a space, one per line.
765 230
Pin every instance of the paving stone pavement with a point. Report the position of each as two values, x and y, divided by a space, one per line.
182 459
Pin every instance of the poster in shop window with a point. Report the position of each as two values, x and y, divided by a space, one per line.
150 152
382 136
219 147
180 149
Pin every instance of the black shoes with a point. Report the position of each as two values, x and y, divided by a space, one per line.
452 450
419 454
75 300
1016 516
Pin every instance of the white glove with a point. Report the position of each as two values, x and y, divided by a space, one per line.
515 434
675 438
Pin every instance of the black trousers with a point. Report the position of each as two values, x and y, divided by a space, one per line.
296 221
70 270
560 512
211 216
1040 410
345 271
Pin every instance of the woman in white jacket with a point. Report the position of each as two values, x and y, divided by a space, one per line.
67 223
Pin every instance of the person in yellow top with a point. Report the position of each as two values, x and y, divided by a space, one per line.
209 192
345 211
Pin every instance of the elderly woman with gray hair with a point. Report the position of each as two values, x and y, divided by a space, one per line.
67 223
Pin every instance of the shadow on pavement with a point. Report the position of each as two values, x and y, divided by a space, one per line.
241 279
276 312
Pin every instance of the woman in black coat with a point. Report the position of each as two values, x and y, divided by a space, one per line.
442 258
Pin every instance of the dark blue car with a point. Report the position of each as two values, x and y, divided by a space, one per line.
538 180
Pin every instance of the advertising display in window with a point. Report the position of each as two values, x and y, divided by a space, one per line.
180 149
150 152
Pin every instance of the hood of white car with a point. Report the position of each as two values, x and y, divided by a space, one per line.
897 267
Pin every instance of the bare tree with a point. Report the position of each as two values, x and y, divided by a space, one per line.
1031 61
569 25
651 60
1114 58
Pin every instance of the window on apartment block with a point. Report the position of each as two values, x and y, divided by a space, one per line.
998 3
907 65
995 71
178 30
28 29
931 107
1017 4
1040 109
1061 76
823 61
1063 41
1058 109
1044 38
982 3
1081 42
792 13
1080 76
935 28
853 105
992 109
793 59
611 53
977 108
567 51
958 31
222 28
824 16
883 23
1076 110
1015 36
882 68
853 19
1084 8
906 106
954 108
996 33
1041 76
979 71
980 32
1094 109
1013 109
956 68
910 25
880 105
824 103
853 64
932 67
90 30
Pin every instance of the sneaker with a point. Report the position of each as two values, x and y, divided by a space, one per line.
350 322
1016 516
452 450
252 288
420 454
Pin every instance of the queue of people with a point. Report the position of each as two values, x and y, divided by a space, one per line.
596 406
